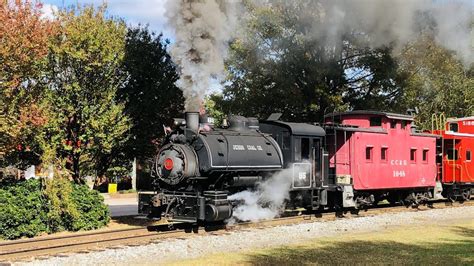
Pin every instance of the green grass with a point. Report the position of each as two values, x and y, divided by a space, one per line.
428 245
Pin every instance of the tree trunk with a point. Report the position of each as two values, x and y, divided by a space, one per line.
75 169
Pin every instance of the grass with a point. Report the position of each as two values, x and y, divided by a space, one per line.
427 245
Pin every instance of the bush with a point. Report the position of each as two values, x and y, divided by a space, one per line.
93 213
35 206
22 212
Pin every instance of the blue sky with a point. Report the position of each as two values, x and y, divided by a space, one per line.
150 12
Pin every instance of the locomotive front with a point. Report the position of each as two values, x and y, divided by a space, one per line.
198 167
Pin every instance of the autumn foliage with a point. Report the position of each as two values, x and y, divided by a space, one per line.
24 38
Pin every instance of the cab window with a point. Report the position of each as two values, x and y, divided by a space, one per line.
305 148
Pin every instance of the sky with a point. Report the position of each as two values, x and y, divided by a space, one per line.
151 12
134 12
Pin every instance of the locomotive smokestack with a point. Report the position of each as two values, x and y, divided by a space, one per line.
192 121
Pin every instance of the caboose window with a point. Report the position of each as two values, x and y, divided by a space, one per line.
376 121
452 154
368 153
404 124
453 127
393 123
468 156
413 155
383 154
425 156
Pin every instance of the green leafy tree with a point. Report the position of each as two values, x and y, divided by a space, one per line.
87 123
150 96
278 66
436 82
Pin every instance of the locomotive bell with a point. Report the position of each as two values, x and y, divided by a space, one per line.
174 163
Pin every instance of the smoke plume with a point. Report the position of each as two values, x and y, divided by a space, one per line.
266 201
202 31
392 22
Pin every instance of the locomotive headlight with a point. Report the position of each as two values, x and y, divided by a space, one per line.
168 164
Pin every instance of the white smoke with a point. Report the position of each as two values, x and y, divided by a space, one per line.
203 29
266 201
398 22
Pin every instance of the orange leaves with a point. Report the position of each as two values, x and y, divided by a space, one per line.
32 115
24 38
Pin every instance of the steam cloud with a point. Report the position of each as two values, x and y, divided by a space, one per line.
392 22
267 201
202 30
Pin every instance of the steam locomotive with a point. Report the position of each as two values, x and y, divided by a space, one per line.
355 159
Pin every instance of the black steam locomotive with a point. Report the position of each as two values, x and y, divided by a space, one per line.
199 166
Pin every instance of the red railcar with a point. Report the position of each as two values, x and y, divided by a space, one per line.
457 147
381 156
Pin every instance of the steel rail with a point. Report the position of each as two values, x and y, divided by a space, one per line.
28 248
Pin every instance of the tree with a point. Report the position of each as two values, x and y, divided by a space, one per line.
87 123
436 82
24 38
279 63
150 96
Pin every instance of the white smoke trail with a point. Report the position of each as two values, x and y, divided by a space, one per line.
202 31
399 22
385 22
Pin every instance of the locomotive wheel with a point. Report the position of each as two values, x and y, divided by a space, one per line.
451 197
355 211
466 194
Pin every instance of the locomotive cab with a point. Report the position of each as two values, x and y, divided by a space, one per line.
304 158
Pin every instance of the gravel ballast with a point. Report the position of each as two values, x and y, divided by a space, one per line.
249 239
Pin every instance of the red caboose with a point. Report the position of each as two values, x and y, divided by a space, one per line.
380 156
458 168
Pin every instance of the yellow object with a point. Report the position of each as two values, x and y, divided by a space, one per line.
112 188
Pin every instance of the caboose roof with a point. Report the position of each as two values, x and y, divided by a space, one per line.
299 128
460 119
371 113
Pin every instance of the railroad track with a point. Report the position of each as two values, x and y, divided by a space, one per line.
44 247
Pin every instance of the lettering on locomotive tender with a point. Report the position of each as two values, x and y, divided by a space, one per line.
399 173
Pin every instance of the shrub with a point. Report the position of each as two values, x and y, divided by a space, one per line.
35 206
93 213
22 212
